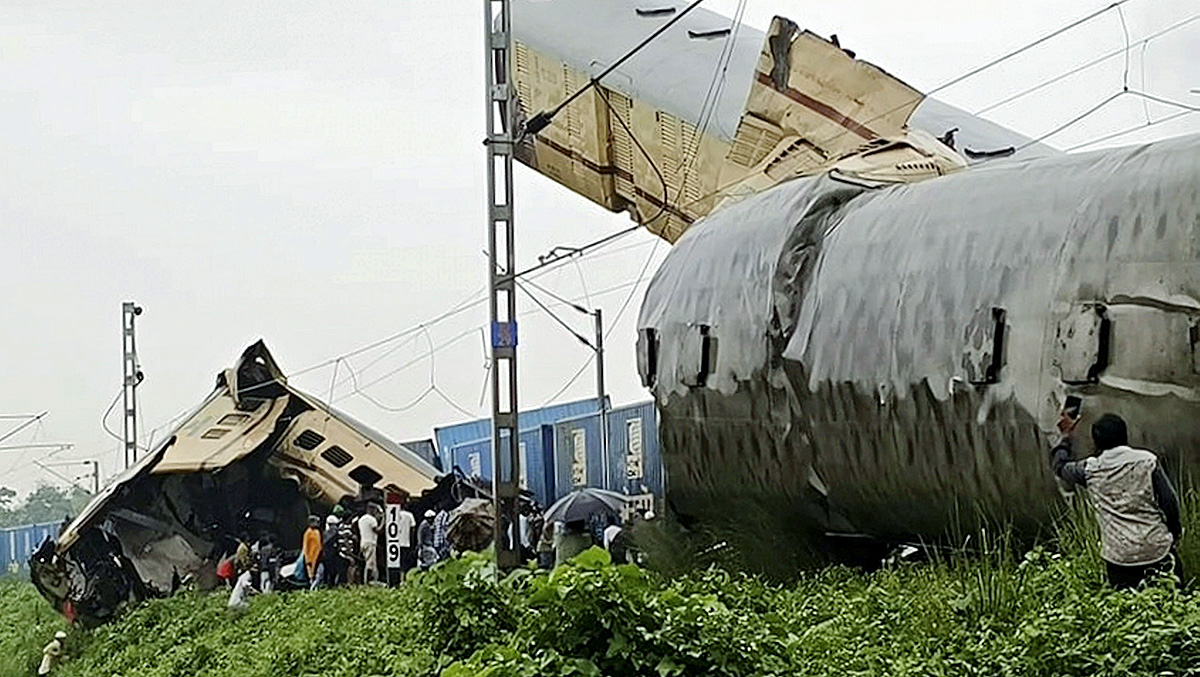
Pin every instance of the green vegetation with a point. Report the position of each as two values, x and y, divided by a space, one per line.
1041 614
26 623
44 504
993 611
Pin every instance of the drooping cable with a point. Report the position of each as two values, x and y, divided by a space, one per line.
662 208
1098 60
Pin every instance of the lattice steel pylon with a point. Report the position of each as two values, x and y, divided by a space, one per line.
500 142
131 377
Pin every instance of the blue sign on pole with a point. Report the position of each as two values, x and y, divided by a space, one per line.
504 334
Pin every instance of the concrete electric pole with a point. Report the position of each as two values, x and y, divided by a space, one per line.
500 142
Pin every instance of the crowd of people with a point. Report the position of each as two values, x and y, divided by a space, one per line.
343 548
552 543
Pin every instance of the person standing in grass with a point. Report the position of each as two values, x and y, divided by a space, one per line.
52 653
312 548
368 539
426 553
574 539
331 554
348 545
1135 505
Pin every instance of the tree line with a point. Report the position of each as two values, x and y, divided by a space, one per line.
45 504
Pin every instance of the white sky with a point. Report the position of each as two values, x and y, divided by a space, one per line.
311 173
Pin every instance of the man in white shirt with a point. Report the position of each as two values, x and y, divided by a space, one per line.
610 533
241 591
368 539
52 653
405 524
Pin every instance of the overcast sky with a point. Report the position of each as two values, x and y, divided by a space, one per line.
311 173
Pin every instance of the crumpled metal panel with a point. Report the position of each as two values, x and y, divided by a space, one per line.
219 434
853 372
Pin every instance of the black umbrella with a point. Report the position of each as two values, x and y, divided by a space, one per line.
583 503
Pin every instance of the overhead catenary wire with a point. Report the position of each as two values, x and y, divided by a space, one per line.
459 337
989 65
612 327
23 426
1113 97
543 119
562 323
1130 130
1094 62
712 97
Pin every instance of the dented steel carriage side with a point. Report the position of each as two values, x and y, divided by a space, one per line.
889 362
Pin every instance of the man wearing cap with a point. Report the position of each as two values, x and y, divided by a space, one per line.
427 554
52 653
331 555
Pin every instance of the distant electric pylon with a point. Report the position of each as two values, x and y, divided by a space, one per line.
131 377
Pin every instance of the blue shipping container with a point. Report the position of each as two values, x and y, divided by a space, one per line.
18 543
452 436
633 446
537 462
577 454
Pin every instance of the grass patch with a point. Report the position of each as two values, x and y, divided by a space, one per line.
27 623
989 608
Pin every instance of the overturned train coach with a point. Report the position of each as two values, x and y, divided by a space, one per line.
256 456
879 364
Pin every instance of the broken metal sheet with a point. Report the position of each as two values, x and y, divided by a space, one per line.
844 315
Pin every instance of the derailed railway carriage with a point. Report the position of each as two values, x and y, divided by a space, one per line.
876 303
888 363
256 456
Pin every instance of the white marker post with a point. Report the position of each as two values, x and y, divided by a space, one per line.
392 529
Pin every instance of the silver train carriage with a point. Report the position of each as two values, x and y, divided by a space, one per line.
888 364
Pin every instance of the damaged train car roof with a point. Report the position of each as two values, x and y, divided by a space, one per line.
324 451
675 71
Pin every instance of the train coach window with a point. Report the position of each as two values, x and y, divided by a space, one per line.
309 439
1081 343
233 419
1194 338
1151 342
698 356
338 456
365 475
647 356
983 356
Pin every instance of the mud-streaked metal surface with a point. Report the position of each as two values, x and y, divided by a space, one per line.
890 362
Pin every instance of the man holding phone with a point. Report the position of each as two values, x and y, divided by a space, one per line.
1135 505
